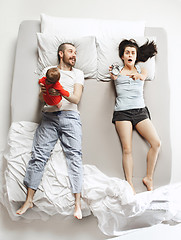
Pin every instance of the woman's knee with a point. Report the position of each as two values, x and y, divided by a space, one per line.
156 144
127 150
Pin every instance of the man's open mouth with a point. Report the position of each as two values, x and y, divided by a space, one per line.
73 60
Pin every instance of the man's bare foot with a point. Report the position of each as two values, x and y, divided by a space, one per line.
25 207
77 212
148 183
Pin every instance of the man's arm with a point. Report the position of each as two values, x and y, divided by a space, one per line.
62 91
42 91
76 95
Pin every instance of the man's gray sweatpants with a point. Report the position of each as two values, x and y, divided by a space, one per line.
66 126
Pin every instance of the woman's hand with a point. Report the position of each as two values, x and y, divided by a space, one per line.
135 76
113 77
142 76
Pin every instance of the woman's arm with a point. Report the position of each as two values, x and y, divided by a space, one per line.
113 77
142 76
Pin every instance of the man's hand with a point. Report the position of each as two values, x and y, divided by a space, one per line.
54 92
42 88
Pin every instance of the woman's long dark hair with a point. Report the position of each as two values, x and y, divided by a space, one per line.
144 52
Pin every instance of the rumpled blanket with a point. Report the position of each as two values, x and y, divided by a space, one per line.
109 199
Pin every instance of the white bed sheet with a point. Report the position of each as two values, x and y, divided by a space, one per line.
111 200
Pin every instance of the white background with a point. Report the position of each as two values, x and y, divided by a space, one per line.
156 13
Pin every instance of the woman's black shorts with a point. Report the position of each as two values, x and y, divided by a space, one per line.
133 115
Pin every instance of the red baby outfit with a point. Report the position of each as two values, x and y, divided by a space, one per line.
49 99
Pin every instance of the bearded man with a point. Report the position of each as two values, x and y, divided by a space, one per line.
59 123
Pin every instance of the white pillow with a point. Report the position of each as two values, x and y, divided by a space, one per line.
68 27
78 27
86 52
107 53
101 29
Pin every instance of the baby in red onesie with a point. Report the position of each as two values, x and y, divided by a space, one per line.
52 81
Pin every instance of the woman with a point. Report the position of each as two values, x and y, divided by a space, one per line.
130 110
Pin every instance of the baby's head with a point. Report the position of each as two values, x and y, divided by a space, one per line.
53 75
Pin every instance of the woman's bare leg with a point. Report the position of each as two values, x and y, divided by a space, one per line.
125 129
77 210
28 203
148 131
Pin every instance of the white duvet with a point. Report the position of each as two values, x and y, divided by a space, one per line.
109 199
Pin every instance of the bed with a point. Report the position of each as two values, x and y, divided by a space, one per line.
104 186
157 97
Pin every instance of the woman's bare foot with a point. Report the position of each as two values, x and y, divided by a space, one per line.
131 184
148 182
78 211
28 204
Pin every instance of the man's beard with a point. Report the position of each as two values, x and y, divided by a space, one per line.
67 61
